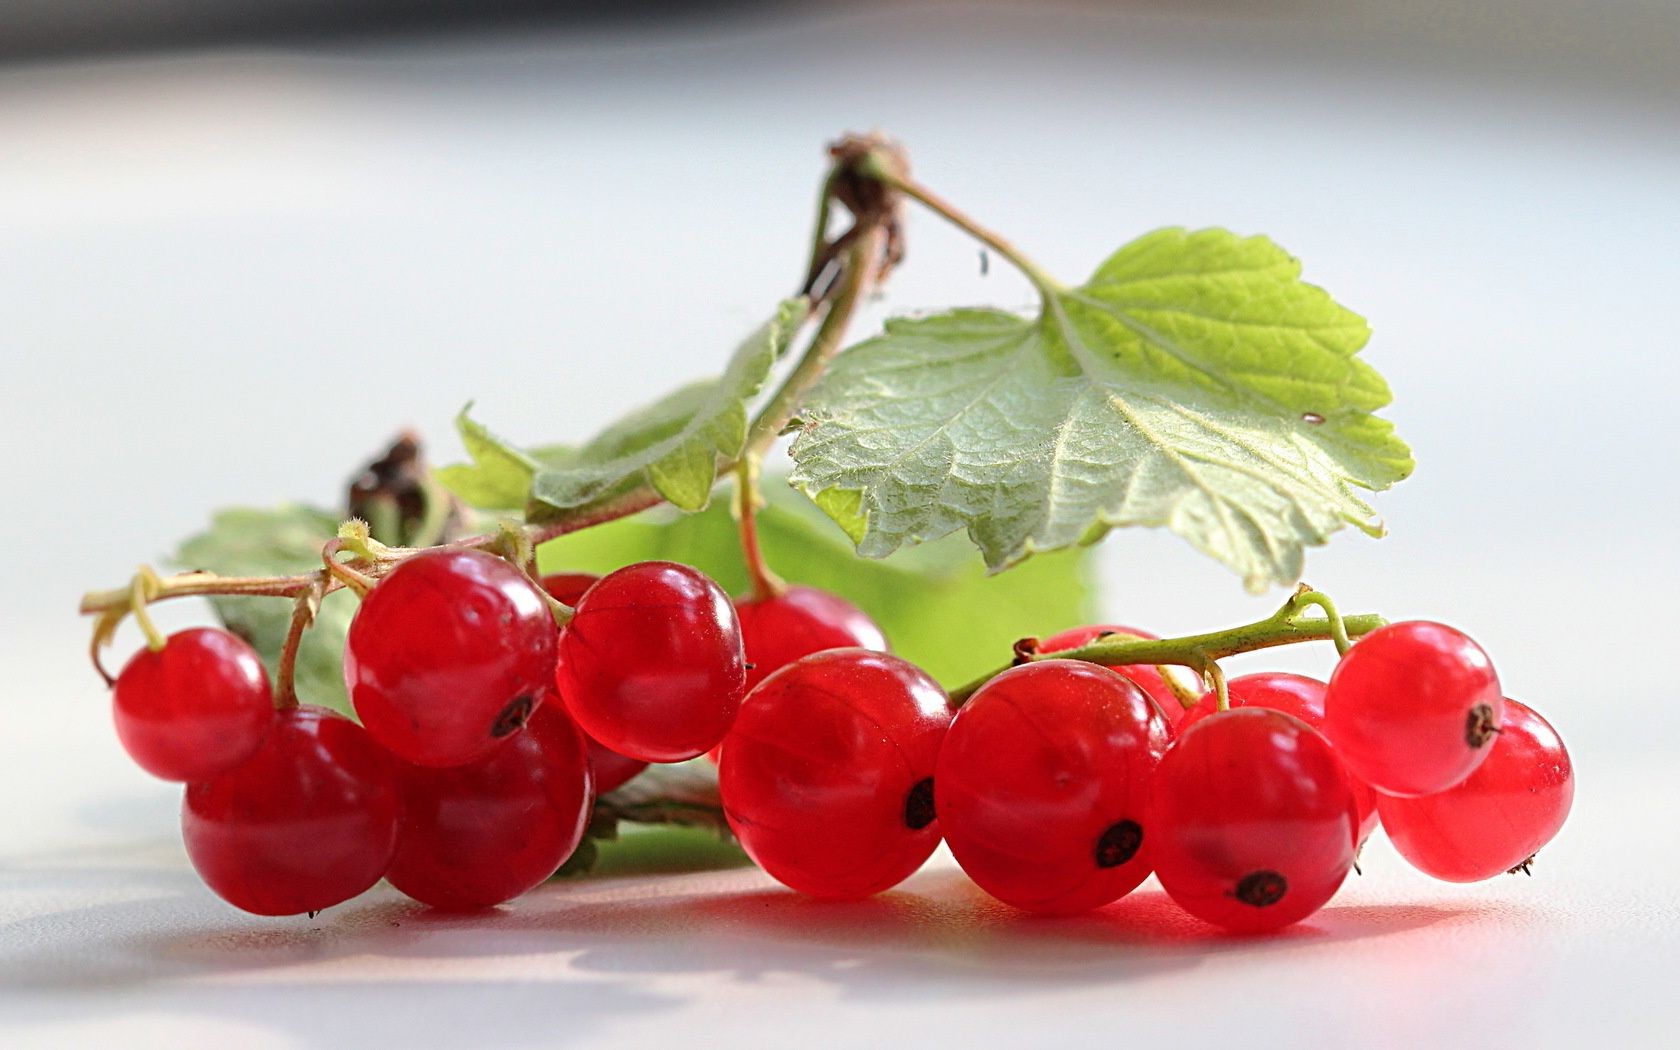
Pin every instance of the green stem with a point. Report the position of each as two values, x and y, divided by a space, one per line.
1201 651
774 417
879 167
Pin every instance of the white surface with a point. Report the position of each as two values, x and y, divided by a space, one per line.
188 246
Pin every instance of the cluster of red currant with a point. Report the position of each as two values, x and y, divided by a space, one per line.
1060 784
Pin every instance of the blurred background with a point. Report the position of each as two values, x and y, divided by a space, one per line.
243 243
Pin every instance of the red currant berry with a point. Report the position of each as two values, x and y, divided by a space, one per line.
195 708
1042 784
476 835
1412 708
449 655
1295 695
651 666
1500 816
612 770
777 631
568 587
1147 677
1251 820
827 777
307 822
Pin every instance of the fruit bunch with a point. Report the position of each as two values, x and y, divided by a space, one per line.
485 730
1060 784
1193 381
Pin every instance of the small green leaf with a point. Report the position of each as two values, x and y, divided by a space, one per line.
1195 382
499 476
675 443
937 605
285 540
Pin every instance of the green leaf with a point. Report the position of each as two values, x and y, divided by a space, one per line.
936 603
675 443
1194 382
285 540
499 476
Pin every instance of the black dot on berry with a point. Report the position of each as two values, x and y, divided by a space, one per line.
1119 843
1479 726
513 716
918 805
1261 888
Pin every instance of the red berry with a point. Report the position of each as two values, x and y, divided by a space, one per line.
1412 708
827 777
476 835
1295 695
307 822
777 631
1043 782
568 587
449 655
1147 677
195 708
651 666
1500 816
612 770
1251 820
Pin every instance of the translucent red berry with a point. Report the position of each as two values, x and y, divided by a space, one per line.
1148 677
568 587
1500 816
804 620
827 777
1413 708
476 835
651 666
1295 695
307 822
1251 820
195 708
1042 785
611 769
449 655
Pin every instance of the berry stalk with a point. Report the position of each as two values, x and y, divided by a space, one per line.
1202 652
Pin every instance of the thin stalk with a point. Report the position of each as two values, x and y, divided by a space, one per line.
765 583
285 681
878 167
1287 626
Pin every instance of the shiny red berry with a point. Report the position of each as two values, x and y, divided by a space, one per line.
804 620
1500 816
1147 677
1251 820
1043 781
195 708
611 769
307 822
476 835
827 777
1295 695
449 655
1413 708
651 666
568 587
